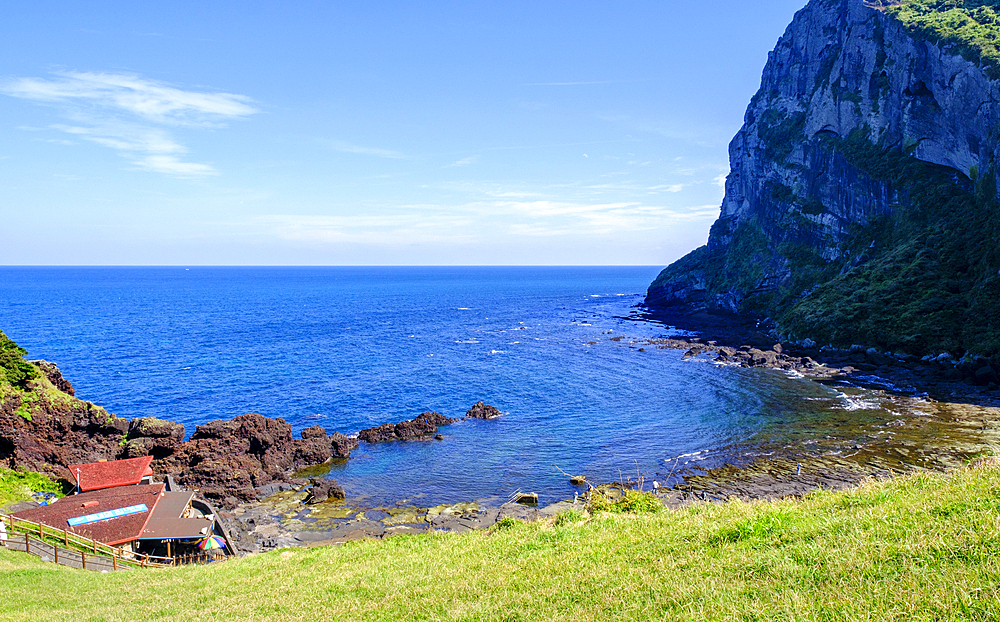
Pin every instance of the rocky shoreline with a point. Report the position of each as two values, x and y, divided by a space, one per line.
273 492
749 343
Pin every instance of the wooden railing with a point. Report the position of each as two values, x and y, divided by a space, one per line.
85 546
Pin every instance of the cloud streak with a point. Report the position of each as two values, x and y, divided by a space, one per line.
129 114
346 147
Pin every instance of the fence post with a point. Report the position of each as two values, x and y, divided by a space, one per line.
83 558
55 548
65 537
114 563
27 543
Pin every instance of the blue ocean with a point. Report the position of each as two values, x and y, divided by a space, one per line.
349 348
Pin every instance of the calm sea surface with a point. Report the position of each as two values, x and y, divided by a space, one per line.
350 348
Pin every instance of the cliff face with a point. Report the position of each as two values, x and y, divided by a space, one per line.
861 203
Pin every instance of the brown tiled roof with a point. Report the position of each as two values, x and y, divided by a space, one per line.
98 475
112 531
166 522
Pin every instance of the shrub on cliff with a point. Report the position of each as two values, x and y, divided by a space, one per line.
969 27
13 368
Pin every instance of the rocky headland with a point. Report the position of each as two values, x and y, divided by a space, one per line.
861 206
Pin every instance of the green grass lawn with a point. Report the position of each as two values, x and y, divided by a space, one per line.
921 547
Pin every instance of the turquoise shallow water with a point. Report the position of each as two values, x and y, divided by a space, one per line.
349 348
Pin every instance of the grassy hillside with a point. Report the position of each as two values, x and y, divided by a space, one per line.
923 547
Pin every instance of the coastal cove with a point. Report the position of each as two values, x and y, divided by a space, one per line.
584 382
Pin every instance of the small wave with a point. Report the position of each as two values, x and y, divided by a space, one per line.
464 309
468 341
498 352
849 402
692 454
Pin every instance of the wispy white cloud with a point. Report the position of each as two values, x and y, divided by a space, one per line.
668 187
128 113
478 222
132 94
464 162
720 181
346 147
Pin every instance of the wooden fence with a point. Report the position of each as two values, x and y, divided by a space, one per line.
86 550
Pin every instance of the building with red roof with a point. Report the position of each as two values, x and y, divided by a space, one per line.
116 509
109 474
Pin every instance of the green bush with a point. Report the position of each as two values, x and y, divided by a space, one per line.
13 368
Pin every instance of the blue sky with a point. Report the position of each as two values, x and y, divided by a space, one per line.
371 133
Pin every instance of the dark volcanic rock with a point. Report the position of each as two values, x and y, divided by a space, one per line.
379 434
44 428
341 446
324 490
149 436
423 425
482 411
53 430
313 448
55 376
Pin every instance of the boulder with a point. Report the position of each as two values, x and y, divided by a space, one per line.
480 410
341 446
324 490
986 375
313 448
379 434
151 427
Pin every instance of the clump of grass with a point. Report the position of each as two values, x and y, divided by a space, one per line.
629 502
568 517
18 485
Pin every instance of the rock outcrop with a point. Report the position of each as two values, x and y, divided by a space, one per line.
424 425
861 202
480 410
44 428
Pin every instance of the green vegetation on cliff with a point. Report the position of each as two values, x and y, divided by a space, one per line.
13 368
922 547
924 279
968 27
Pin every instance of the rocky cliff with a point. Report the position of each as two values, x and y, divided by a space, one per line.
861 205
